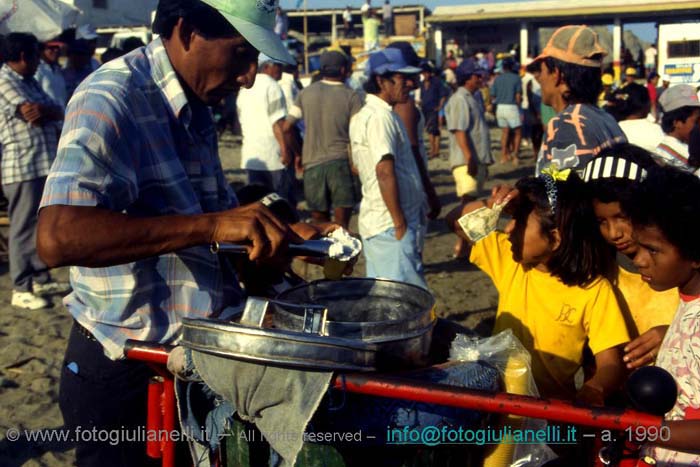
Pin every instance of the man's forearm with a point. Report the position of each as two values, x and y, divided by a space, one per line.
95 237
278 130
463 143
389 188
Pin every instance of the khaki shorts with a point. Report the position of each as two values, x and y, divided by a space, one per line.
465 184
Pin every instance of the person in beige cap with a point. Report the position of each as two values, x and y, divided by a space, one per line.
681 113
136 195
570 77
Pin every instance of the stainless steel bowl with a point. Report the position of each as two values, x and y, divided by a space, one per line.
396 317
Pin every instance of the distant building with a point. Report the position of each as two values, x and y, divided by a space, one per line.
102 13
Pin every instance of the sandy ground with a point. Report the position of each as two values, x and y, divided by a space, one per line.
32 343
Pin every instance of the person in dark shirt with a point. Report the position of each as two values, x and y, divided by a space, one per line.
433 97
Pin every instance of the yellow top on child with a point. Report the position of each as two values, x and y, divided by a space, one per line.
551 319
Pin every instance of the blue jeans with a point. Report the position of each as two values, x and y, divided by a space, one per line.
398 260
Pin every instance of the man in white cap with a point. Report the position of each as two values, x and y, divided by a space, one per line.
88 33
135 197
262 111
393 197
681 113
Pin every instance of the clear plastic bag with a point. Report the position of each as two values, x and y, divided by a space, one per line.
505 352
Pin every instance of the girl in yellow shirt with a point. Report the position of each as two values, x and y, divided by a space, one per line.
611 179
549 269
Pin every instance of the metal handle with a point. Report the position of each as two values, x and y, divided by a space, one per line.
315 316
315 248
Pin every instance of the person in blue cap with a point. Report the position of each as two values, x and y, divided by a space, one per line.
134 199
393 198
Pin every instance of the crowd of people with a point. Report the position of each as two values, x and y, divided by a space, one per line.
595 271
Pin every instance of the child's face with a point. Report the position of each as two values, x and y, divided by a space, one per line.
682 129
530 246
661 264
615 226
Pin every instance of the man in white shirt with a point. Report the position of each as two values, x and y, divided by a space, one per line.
390 212
650 58
262 111
49 74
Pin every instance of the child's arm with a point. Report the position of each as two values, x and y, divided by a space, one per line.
684 436
499 195
609 376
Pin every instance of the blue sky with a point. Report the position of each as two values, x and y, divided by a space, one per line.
644 31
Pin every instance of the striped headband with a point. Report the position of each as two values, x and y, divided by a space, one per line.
613 167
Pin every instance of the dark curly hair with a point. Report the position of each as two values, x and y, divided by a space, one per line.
669 199
583 255
621 190
583 81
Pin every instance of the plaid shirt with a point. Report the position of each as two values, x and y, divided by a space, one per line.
27 150
132 143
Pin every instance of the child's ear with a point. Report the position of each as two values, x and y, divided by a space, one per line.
556 239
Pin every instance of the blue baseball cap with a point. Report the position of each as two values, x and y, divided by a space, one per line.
469 67
389 61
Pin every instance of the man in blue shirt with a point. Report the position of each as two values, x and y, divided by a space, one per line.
507 93
433 95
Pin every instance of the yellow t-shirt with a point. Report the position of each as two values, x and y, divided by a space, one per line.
642 306
552 320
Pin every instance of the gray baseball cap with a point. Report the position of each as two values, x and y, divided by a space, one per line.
680 95
255 20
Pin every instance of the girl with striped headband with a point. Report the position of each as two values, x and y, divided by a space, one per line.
612 179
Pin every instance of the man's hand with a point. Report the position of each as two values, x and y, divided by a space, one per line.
255 224
435 206
298 166
644 349
501 194
286 157
30 112
400 230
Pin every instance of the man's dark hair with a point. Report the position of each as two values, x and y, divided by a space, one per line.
205 19
682 114
110 54
17 43
669 199
631 100
463 78
371 86
583 81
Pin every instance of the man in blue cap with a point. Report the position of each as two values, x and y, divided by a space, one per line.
134 198
470 144
390 212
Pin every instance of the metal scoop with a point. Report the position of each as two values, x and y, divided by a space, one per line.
313 248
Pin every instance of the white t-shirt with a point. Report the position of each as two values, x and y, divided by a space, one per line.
650 56
290 89
672 151
258 109
643 133
536 89
376 131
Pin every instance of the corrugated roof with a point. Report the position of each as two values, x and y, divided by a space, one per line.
553 8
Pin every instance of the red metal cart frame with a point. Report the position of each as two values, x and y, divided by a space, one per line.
162 410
